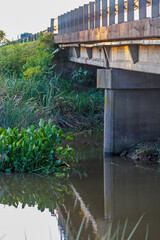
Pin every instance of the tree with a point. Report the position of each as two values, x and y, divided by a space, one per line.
2 35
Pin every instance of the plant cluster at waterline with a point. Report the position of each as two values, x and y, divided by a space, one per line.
35 150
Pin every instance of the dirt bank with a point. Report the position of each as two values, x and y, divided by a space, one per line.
144 153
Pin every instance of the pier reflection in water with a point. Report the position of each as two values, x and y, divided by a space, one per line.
105 190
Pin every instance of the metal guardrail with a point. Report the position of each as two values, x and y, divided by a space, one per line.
102 13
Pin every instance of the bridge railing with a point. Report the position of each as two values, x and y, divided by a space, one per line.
102 13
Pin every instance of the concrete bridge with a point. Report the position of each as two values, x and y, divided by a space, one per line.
121 38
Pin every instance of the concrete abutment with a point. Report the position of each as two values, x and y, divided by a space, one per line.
131 108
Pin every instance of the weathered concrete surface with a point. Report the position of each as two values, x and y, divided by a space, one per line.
141 56
132 108
146 28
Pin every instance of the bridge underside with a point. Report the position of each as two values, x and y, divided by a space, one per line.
135 55
130 77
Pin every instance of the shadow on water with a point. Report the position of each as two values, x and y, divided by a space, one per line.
111 190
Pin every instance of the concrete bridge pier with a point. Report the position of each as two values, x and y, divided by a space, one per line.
131 108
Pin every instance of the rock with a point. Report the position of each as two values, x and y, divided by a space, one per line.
124 153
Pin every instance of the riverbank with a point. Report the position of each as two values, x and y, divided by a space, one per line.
144 153
31 89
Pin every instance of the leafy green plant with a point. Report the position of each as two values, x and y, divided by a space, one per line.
82 76
35 150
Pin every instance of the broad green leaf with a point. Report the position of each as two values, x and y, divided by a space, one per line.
69 138
41 123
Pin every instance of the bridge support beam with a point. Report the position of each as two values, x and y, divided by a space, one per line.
131 108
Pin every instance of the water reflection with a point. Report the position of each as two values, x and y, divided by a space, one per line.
113 190
28 207
28 223
130 192
31 190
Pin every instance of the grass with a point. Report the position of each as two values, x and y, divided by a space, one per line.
31 90
25 103
109 235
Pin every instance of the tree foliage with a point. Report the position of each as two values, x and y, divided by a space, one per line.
2 35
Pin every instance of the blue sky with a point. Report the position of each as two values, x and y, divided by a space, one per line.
18 16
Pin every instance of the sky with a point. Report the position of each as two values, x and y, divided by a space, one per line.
19 16
16 223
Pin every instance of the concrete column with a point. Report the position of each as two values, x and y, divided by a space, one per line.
131 108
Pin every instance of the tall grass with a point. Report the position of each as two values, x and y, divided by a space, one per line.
31 90
24 103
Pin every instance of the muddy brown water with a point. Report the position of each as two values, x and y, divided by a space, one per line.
103 191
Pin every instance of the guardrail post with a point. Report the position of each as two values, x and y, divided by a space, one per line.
69 22
130 10
80 18
142 9
85 17
155 8
62 24
76 20
112 12
120 11
91 6
66 27
52 25
97 13
104 12
72 21
59 25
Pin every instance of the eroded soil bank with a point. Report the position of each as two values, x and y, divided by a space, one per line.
144 153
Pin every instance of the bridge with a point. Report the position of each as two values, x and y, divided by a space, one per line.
122 39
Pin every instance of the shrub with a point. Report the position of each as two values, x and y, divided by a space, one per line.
82 76
34 150
24 59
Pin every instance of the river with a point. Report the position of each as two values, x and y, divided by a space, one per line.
104 191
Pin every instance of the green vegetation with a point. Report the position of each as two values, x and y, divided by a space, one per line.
82 76
35 150
31 90
2 35
118 234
